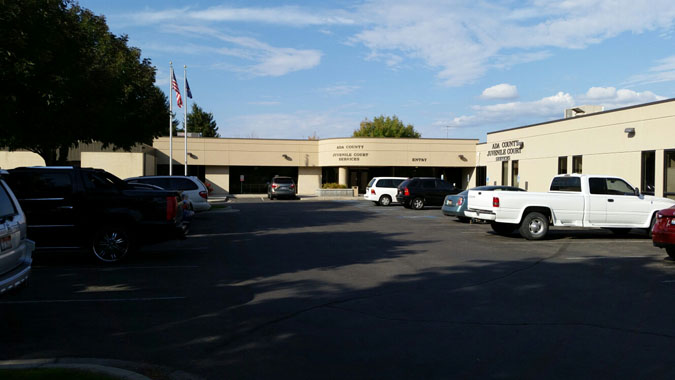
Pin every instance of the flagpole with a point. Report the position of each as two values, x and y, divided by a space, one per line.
185 113
170 120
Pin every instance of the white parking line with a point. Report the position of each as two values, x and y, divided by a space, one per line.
93 300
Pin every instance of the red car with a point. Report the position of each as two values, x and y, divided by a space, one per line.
663 232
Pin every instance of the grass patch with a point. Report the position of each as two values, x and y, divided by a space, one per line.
52 374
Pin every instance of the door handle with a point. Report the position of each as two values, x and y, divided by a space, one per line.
610 200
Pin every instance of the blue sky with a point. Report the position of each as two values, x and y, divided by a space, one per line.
275 69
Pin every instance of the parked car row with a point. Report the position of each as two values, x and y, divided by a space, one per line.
70 208
573 200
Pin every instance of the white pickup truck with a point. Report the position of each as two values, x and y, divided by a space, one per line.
573 200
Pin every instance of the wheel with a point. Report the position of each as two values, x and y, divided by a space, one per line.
111 244
503 228
385 200
417 203
534 226
671 251
406 204
269 196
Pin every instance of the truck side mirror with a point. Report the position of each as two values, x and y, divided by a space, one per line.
636 191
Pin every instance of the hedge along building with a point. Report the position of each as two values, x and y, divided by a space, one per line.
636 143
246 165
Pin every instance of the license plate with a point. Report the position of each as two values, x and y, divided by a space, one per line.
5 243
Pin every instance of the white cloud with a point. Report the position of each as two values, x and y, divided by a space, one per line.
500 91
610 97
340 89
464 39
269 60
550 107
287 15
663 71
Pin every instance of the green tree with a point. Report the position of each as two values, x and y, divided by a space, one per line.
385 127
67 79
200 121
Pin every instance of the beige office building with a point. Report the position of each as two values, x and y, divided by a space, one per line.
636 143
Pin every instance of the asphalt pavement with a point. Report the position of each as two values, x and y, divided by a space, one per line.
345 289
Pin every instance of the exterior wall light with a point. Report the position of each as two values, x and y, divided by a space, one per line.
629 130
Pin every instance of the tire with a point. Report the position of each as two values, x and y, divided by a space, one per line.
417 203
269 196
671 252
503 228
385 200
534 226
406 204
112 243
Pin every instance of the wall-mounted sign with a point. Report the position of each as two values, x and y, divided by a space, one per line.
350 156
503 151
419 159
241 178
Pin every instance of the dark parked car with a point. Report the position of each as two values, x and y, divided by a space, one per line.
418 192
281 187
16 250
455 205
78 208
663 231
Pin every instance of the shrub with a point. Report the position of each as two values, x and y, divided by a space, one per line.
333 185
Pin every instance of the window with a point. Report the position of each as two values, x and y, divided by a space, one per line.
6 204
428 184
597 185
648 172
669 175
395 183
42 184
514 173
562 165
161 182
616 186
186 184
481 176
576 164
371 183
566 184
505 173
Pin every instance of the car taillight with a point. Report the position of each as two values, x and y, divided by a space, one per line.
372 191
171 208
460 201
204 194
274 185
292 186
495 201
406 192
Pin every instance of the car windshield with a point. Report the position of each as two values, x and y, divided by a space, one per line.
283 180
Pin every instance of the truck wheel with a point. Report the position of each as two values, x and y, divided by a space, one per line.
385 200
503 228
534 226
671 252
112 243
417 203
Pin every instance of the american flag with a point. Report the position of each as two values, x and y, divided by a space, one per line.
174 86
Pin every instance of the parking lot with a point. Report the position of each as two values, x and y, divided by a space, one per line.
345 289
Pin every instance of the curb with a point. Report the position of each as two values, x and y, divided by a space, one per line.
121 369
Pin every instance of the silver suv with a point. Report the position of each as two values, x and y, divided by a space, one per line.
281 187
16 251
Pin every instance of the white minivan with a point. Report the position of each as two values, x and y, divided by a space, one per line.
191 186
382 190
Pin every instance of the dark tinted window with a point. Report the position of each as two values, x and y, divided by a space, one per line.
283 180
413 183
40 184
6 204
566 184
396 182
442 184
99 181
181 184
428 183
384 183
597 185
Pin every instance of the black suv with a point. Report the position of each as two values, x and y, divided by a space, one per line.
78 208
418 192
